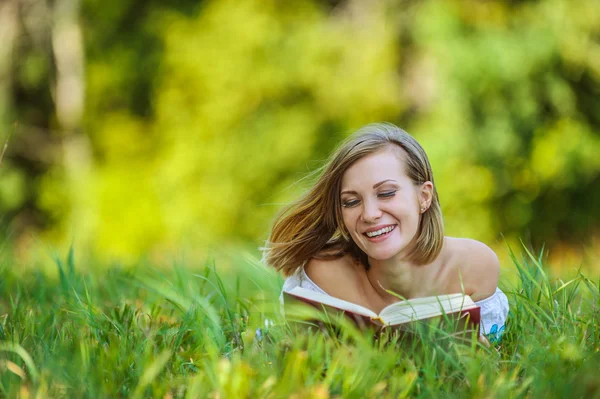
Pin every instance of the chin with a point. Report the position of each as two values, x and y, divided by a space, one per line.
384 253
380 257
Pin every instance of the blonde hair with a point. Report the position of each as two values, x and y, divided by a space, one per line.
313 227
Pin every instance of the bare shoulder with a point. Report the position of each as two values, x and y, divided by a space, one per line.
338 277
478 265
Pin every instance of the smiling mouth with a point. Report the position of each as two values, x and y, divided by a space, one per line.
380 232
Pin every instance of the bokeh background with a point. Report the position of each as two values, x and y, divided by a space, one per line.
139 127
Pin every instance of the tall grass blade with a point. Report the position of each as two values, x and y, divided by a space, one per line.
151 373
22 353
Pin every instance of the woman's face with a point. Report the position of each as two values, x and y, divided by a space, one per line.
381 206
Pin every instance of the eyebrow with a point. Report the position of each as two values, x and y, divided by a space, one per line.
374 186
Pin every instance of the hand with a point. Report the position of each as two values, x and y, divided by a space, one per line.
484 341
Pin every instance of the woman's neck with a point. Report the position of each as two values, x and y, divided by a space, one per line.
401 277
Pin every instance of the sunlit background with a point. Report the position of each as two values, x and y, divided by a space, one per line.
138 128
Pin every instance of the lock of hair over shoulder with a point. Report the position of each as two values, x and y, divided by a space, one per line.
313 227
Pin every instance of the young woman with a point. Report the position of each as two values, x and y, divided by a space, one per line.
373 223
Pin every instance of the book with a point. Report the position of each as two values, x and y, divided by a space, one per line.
401 314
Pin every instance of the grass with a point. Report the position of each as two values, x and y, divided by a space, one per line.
191 332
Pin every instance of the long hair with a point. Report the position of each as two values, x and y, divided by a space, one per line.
313 226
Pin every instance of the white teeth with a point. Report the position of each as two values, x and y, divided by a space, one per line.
379 232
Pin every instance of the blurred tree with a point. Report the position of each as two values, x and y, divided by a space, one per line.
200 117
513 98
26 114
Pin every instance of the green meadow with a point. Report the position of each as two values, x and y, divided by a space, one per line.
195 331
133 129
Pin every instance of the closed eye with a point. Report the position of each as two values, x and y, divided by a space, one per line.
350 203
387 194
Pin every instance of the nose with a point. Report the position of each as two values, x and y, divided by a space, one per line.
370 212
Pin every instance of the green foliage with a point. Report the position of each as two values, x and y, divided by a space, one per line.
208 332
201 115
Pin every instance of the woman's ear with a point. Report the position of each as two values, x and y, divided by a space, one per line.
425 196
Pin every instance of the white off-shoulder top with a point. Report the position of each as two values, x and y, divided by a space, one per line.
494 309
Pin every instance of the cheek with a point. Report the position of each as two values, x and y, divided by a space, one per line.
347 220
406 212
410 206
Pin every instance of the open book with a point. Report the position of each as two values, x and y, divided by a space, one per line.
400 313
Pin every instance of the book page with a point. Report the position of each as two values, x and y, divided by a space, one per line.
328 300
421 308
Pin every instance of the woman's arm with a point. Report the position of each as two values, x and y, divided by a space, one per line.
338 278
479 269
483 270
